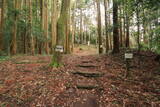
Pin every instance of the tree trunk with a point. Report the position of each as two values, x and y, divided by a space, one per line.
115 27
67 48
2 24
73 28
138 28
14 37
120 29
25 30
109 24
127 30
106 26
46 26
30 28
61 31
124 27
138 33
81 26
99 27
42 21
54 24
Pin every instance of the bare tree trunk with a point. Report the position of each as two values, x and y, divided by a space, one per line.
73 28
127 30
54 23
138 29
145 39
109 33
138 33
124 26
99 27
115 27
2 24
30 28
42 23
14 37
106 25
120 29
46 26
68 32
61 31
81 26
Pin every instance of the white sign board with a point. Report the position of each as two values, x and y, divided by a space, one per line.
128 55
59 48
88 43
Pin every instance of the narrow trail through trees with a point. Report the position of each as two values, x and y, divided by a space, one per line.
85 80
84 87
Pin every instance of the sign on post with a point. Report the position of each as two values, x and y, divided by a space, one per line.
59 48
128 55
88 43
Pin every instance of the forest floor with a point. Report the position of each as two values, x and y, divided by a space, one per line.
85 80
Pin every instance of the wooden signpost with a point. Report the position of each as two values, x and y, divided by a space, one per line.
88 43
56 59
59 48
128 57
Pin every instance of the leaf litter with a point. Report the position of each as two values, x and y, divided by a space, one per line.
36 84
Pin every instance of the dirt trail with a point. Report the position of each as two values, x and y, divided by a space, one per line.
85 80
84 50
83 88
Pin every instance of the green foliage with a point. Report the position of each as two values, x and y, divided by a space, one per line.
144 46
56 65
23 25
152 4
87 1
156 39
4 58
56 60
37 31
93 35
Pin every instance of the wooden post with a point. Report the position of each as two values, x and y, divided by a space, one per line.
128 57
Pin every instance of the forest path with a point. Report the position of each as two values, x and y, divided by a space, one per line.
85 50
84 87
83 81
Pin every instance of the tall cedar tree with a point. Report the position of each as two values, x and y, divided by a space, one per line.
115 27
99 27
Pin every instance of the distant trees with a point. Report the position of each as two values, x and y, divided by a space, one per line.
27 26
35 26
136 20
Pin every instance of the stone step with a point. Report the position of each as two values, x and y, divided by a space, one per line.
86 61
30 62
86 86
88 73
87 66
